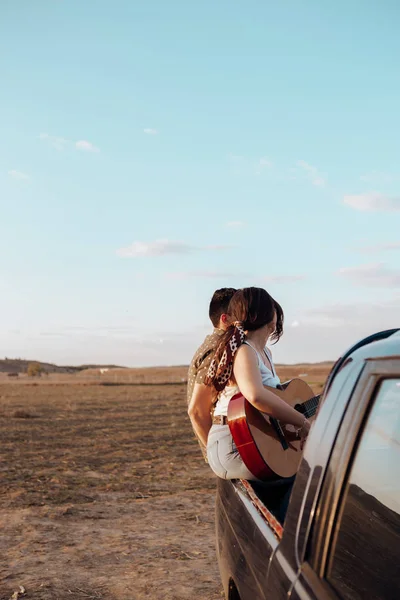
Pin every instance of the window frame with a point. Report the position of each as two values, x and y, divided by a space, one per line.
332 498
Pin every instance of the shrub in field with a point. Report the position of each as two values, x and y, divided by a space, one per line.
23 414
34 370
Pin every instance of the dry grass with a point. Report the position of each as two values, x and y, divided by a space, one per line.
104 493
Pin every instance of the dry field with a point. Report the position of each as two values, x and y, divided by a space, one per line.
104 492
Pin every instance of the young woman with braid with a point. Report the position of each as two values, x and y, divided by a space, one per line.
243 363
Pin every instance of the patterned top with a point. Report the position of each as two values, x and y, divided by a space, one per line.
199 367
202 360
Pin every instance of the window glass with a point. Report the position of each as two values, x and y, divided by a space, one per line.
366 555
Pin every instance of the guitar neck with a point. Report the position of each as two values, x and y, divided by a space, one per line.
309 407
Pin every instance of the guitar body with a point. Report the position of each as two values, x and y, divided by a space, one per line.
266 453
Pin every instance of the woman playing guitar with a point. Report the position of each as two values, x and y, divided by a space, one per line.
243 364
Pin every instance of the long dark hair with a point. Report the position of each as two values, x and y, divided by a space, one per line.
251 308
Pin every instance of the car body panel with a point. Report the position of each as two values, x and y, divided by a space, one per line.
261 566
241 532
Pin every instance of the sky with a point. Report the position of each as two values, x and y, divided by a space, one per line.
378 453
152 152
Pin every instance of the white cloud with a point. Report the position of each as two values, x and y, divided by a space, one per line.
243 276
219 247
312 173
376 314
263 165
373 202
200 274
378 177
325 332
18 175
265 162
249 166
56 142
163 247
236 158
235 224
381 247
86 146
150 131
283 278
60 143
373 274
157 248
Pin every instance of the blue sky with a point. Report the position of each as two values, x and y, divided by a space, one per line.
378 453
151 152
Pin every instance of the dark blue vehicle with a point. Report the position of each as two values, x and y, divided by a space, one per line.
341 535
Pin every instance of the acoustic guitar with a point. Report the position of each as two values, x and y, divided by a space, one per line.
270 449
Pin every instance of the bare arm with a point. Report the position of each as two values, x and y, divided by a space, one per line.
248 379
199 410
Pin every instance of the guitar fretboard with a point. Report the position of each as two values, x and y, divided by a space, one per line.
309 407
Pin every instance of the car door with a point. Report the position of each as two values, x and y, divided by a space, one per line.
245 540
354 550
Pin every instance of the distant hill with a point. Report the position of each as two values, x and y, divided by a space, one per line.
17 365
322 363
11 365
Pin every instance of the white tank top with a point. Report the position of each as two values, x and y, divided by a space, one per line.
268 377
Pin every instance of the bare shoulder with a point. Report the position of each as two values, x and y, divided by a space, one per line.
246 353
246 369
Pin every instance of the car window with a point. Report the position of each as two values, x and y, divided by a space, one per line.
333 387
317 452
366 551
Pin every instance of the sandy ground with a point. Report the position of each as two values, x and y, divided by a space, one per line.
104 492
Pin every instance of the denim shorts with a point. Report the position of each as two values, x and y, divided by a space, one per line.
223 456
